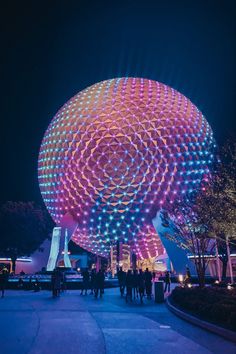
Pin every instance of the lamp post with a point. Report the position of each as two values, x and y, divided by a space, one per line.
229 260
218 262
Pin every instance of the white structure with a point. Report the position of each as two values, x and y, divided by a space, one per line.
59 244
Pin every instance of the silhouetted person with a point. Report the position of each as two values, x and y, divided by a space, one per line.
63 281
36 285
56 282
20 283
53 282
92 280
121 275
167 281
135 283
4 274
148 283
85 284
129 285
22 273
141 285
99 283
187 278
30 283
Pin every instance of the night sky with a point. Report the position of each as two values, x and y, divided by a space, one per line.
50 50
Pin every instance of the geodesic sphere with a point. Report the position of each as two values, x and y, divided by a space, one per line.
114 152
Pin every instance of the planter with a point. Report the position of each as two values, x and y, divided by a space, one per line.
223 332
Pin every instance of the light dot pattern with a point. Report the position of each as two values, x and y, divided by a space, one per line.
113 154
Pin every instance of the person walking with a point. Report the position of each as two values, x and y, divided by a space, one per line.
56 282
92 281
99 283
148 283
4 275
85 284
141 285
20 283
167 281
63 282
121 278
53 280
135 283
129 285
30 283
36 285
187 278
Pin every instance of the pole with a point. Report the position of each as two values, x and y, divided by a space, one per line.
113 264
229 260
218 263
67 262
117 255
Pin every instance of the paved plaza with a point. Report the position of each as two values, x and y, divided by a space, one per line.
35 323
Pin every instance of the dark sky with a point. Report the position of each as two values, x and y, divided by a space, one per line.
50 50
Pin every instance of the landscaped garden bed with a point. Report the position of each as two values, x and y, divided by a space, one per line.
216 305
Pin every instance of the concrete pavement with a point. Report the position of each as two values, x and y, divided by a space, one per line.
35 323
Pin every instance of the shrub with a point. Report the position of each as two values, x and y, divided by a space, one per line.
214 304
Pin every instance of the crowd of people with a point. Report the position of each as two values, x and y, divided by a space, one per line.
137 284
94 281
58 282
134 284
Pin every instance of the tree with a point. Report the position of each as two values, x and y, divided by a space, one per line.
221 201
207 217
191 231
24 226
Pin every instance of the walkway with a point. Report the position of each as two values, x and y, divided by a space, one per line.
34 323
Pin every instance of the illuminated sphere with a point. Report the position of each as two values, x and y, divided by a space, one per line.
113 154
